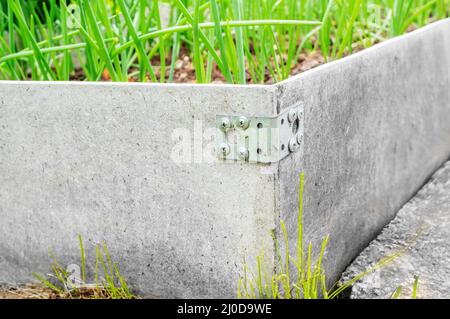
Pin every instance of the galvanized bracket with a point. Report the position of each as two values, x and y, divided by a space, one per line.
260 139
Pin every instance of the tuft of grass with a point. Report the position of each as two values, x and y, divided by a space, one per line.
398 292
247 41
309 281
415 287
108 283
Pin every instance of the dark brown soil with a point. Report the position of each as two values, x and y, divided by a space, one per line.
185 71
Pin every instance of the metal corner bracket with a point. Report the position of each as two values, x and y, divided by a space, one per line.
260 139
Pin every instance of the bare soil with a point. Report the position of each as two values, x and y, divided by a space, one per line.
185 70
38 291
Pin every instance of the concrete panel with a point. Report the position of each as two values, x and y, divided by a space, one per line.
377 125
95 159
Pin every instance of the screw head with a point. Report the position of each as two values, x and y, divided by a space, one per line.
243 122
243 153
293 115
225 124
294 146
224 149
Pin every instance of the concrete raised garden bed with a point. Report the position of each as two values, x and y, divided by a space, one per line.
97 159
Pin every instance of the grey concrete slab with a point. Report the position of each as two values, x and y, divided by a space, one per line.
377 125
95 159
98 159
422 227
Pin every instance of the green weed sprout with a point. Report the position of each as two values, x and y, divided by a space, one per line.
109 283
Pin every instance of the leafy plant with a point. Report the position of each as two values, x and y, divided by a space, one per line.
309 280
109 283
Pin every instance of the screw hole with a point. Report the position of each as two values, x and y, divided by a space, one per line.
282 121
295 126
259 151
283 147
260 125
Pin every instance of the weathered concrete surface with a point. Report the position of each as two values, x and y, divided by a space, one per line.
422 227
377 125
95 159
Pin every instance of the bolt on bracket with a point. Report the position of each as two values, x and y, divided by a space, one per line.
260 139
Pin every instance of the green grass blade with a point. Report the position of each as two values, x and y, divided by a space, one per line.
25 31
349 30
415 287
397 293
83 259
47 283
237 6
198 61
137 42
103 51
220 40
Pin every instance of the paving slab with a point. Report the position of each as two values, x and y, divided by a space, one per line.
422 227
